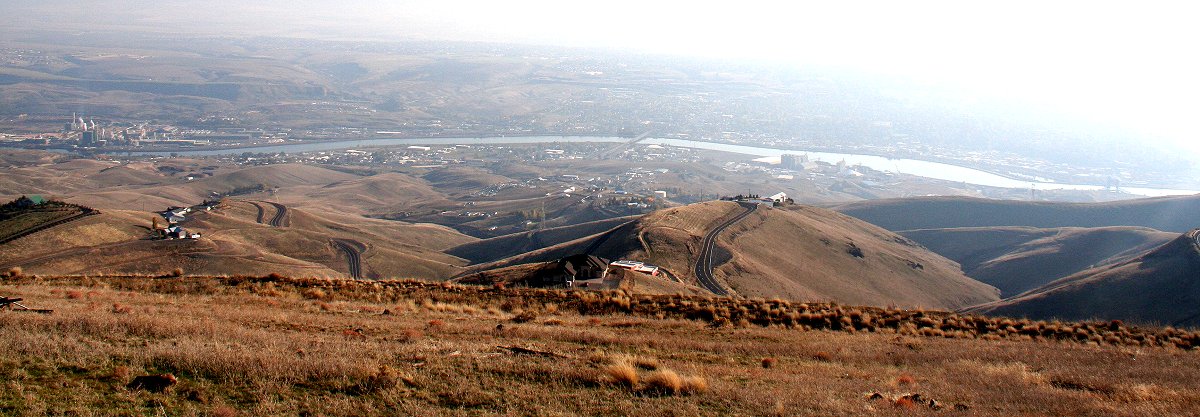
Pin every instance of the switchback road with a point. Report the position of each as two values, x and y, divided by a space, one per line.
704 262
353 250
280 219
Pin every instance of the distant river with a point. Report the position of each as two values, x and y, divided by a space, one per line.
935 170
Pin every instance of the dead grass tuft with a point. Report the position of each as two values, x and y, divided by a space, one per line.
622 374
906 380
823 356
663 382
646 363
315 294
695 384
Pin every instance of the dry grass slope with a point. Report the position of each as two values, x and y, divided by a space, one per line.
1157 287
278 346
799 253
1019 259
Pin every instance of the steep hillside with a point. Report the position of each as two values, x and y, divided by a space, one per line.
811 253
1161 286
1018 259
805 253
1172 214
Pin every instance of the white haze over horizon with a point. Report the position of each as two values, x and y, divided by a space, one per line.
1132 65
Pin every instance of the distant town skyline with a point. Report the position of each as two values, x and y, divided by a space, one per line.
1113 63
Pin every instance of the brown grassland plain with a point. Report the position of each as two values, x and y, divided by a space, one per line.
278 346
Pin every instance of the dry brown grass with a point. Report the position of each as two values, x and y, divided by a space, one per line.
258 347
694 384
622 374
663 382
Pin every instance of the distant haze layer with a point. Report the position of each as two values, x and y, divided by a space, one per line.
1112 64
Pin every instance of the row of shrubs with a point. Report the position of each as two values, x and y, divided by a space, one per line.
717 311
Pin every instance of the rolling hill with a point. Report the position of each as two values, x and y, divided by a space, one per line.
1171 214
234 242
393 249
800 254
1017 259
380 193
462 180
116 242
1160 286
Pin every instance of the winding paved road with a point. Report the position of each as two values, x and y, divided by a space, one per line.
353 250
280 219
704 263
262 213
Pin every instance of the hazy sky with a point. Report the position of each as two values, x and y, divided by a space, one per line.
1130 63
1133 63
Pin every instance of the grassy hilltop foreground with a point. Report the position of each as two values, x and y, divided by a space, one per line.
279 346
